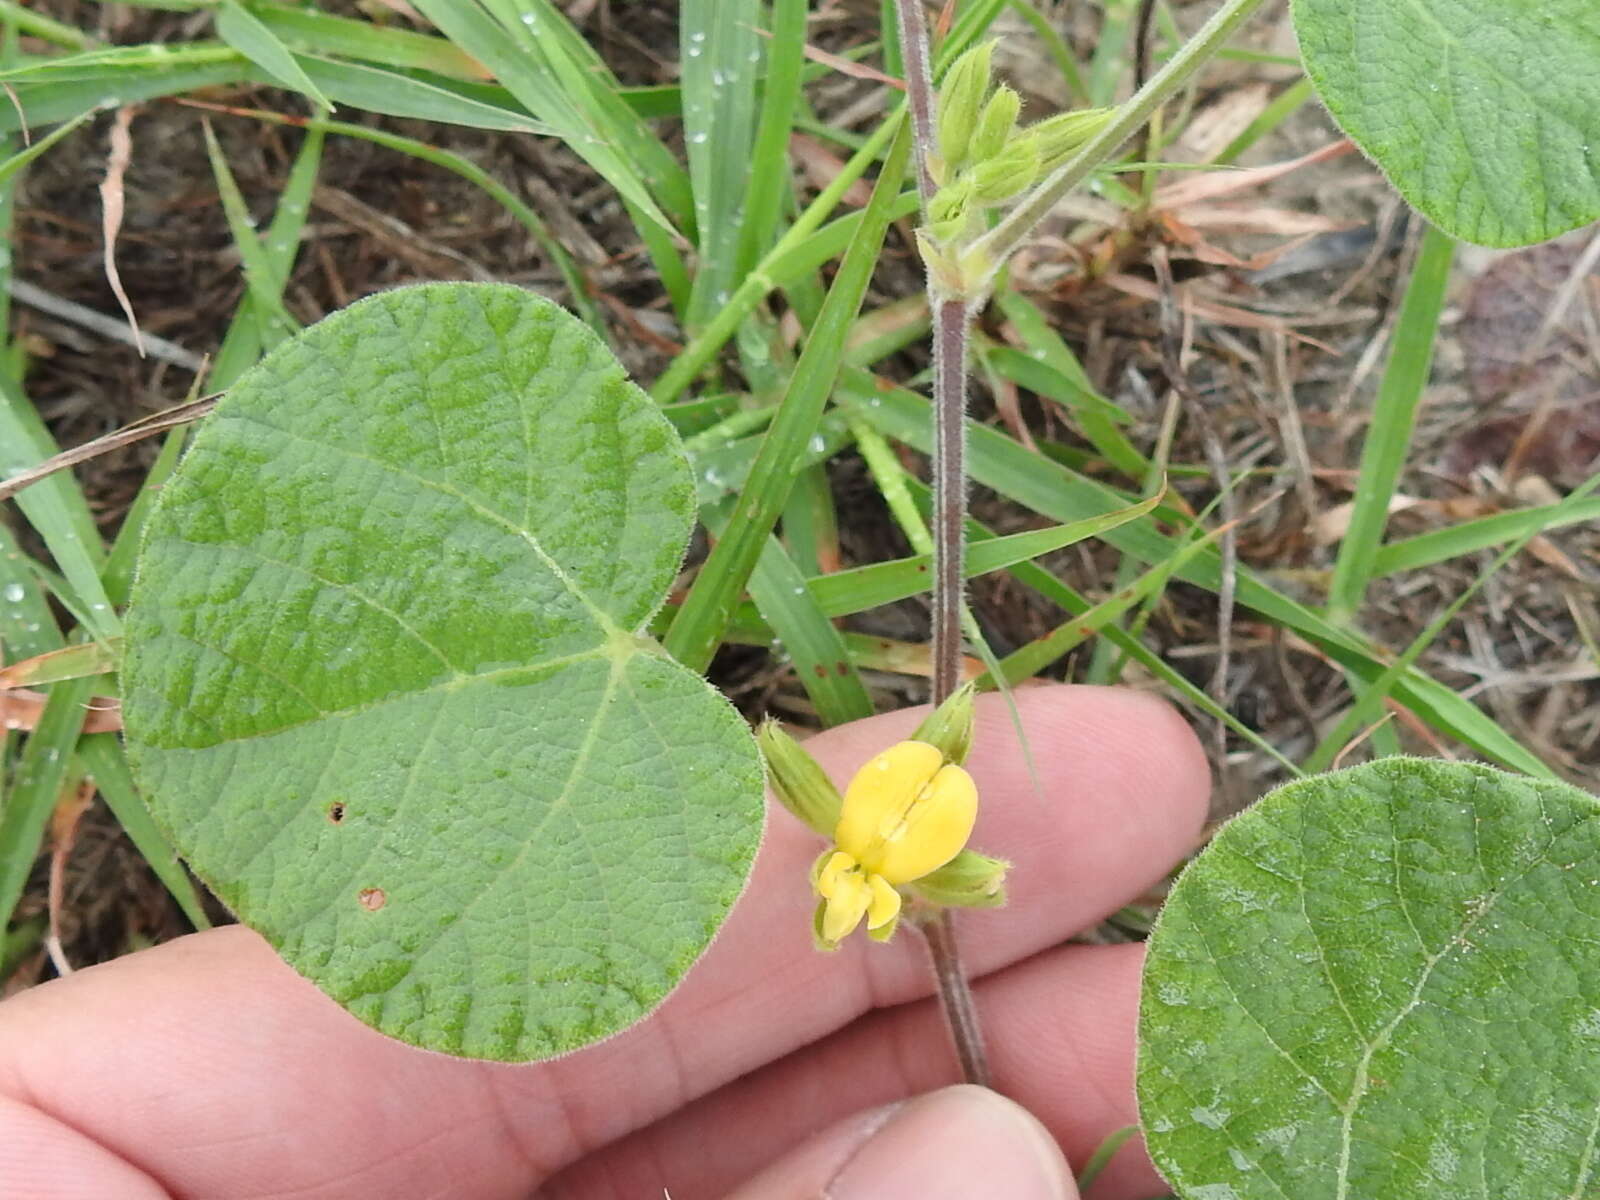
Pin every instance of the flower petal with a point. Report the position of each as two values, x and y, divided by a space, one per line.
881 792
885 906
846 904
933 831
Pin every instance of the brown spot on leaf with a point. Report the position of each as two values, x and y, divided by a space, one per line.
336 812
371 899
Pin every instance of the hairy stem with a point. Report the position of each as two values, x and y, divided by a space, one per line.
955 996
949 489
919 89
949 518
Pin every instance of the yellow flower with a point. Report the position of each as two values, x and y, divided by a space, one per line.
907 813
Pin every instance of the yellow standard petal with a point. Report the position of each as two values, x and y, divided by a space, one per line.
881 792
932 831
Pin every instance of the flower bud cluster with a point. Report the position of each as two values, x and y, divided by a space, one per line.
985 158
899 831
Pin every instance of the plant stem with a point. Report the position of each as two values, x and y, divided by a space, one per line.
950 320
955 996
919 89
999 242
949 526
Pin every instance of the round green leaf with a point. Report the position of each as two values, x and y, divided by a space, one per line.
386 682
1484 113
1382 984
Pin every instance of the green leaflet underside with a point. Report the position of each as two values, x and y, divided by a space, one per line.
1382 984
386 682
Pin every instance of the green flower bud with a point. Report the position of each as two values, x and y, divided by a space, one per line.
969 880
995 124
949 727
1011 171
1062 136
798 781
960 97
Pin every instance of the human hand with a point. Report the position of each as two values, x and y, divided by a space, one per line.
207 1068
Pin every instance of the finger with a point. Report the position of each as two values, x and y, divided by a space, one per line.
957 1143
1061 1032
247 1053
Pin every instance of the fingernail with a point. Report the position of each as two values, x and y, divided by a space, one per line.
960 1142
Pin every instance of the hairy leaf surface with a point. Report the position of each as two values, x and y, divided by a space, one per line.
1380 984
387 684
1484 113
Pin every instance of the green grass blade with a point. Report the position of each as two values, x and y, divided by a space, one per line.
860 588
811 522
1099 420
240 29
1033 576
27 626
393 94
1038 654
41 772
42 27
769 159
1054 491
717 55
101 755
78 661
241 347
1394 415
821 661
695 633
56 509
1481 533
261 281
1369 702
60 99
517 63
312 32
42 146
794 256
18 943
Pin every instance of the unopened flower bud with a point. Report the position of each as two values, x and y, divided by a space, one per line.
969 880
1009 172
798 781
949 727
995 124
960 99
1062 136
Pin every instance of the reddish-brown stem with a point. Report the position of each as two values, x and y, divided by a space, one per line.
955 996
949 489
919 89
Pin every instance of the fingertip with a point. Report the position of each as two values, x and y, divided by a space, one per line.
955 1142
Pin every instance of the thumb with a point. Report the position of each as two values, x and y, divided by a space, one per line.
959 1142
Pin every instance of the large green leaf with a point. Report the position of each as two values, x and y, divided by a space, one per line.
1484 113
1382 984
387 686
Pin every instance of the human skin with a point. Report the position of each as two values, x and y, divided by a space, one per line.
207 1068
